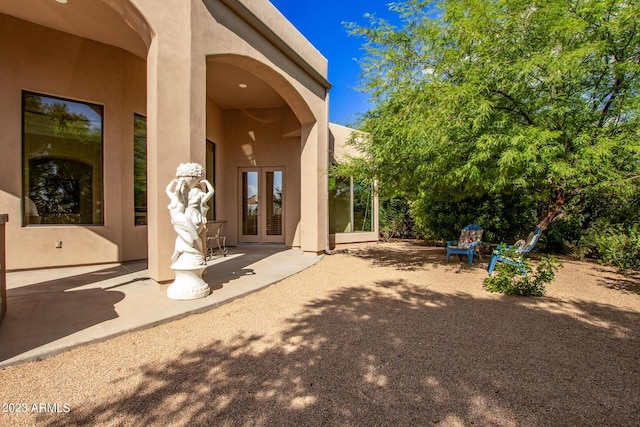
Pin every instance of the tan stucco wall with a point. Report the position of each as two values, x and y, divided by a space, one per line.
251 139
169 87
230 40
256 139
211 29
49 62
339 147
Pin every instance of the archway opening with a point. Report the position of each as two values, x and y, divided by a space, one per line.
255 116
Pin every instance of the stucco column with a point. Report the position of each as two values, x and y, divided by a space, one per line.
176 84
314 188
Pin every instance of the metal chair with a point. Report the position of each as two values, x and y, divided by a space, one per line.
216 238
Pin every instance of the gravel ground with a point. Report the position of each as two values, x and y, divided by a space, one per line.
384 335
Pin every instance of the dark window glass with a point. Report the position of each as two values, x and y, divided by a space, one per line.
140 169
62 146
250 203
211 177
339 205
274 203
350 205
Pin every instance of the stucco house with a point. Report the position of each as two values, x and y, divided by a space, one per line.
101 100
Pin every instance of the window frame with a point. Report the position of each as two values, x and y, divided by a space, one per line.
25 176
350 182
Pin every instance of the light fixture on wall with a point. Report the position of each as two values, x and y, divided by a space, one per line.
62 1
242 86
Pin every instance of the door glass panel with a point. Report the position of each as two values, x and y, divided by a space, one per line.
250 203
274 203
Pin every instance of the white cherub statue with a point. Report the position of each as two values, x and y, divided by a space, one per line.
189 193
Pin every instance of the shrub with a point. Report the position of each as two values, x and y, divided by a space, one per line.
620 248
501 216
395 221
510 280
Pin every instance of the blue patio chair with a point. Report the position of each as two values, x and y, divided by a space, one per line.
470 237
522 247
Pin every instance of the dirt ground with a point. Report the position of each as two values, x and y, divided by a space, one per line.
384 335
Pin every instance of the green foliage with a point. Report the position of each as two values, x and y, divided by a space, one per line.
535 106
395 220
509 279
593 213
620 247
501 217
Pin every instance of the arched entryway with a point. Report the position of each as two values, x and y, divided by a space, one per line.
256 118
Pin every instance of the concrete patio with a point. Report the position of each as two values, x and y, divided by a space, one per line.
52 310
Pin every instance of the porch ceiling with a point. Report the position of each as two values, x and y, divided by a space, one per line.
90 19
96 20
235 88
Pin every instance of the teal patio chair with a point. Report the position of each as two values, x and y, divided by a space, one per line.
470 237
522 247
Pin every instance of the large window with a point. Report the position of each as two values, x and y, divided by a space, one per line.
62 163
140 169
350 205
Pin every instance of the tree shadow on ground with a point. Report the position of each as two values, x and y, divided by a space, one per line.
43 312
414 257
629 283
397 353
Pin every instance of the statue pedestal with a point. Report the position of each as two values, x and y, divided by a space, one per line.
188 283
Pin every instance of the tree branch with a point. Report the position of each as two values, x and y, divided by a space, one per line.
612 97
517 109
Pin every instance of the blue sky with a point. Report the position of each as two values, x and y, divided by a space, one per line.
321 22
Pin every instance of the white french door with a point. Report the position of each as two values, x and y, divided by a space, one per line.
261 205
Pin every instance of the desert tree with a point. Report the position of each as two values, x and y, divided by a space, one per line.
536 100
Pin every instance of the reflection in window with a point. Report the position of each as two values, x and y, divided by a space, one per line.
339 205
62 145
274 203
350 205
140 169
250 203
362 205
211 177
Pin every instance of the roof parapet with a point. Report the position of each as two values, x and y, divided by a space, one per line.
267 20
